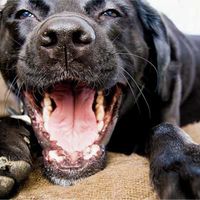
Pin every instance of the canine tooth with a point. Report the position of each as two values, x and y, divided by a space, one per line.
46 114
49 108
97 106
100 113
100 93
100 98
47 100
100 126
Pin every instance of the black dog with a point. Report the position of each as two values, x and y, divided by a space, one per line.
87 71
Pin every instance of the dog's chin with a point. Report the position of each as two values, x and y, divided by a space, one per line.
68 176
73 124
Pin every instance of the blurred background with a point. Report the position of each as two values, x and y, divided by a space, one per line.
185 13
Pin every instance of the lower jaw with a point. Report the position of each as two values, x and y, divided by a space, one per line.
69 176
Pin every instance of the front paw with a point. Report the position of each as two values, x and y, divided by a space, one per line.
15 157
11 174
174 164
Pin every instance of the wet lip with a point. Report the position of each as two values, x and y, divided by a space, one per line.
73 123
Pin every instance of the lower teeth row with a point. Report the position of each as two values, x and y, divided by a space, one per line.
88 153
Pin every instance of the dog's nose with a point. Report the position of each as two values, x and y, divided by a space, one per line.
74 33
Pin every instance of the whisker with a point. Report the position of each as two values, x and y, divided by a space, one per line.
135 55
140 90
8 93
15 41
132 91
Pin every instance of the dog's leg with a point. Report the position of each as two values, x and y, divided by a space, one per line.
174 163
15 157
171 111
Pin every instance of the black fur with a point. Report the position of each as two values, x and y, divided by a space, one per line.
137 47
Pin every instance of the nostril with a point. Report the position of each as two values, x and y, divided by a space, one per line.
49 38
81 38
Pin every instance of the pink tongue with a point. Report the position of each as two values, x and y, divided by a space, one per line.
73 123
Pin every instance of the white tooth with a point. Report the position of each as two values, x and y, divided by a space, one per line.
87 157
50 109
87 153
53 155
87 150
46 114
100 98
100 113
94 149
47 100
47 108
91 151
45 126
100 126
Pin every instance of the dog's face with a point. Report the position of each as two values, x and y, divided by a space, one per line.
73 62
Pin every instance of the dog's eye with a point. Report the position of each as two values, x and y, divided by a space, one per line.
110 13
23 14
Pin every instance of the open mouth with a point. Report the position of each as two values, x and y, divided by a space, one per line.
73 123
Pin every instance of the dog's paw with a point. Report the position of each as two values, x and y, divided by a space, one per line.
15 156
11 174
174 164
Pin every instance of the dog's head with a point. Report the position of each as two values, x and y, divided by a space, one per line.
75 63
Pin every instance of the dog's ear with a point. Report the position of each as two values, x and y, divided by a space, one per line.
154 26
